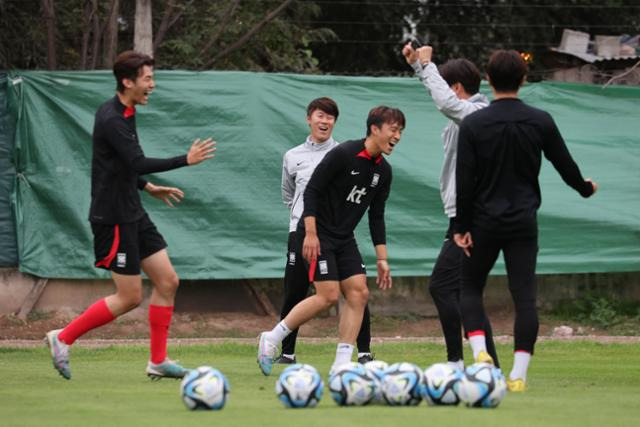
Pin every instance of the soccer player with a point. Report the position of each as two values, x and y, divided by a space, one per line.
350 179
454 88
297 166
498 194
125 239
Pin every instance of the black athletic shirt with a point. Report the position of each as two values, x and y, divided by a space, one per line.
499 156
118 162
344 184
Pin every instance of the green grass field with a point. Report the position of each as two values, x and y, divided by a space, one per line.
571 384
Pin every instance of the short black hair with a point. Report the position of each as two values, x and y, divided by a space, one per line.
383 114
128 65
506 70
324 104
461 71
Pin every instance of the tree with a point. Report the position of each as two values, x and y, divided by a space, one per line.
49 15
143 36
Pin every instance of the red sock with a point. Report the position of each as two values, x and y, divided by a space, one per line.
95 316
159 321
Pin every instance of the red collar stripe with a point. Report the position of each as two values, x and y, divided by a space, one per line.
129 112
364 153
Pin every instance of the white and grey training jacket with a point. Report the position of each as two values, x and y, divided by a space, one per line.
297 166
455 109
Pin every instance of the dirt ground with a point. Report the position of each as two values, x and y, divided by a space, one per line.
248 325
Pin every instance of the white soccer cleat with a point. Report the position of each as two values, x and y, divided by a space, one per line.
267 352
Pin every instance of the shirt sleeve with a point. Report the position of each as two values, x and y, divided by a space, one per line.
327 169
465 181
443 96
555 150
288 185
125 142
142 183
377 226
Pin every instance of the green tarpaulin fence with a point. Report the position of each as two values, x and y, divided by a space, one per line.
232 223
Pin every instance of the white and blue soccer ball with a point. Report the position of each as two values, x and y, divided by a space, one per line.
204 388
440 384
402 384
483 386
351 385
376 369
299 386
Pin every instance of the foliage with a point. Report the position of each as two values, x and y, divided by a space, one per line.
597 310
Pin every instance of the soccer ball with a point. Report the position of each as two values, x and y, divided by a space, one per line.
351 384
204 388
440 384
299 386
402 384
376 369
483 386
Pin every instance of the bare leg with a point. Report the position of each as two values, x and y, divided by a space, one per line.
327 295
356 294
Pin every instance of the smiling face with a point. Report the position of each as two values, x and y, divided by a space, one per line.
387 136
321 125
137 91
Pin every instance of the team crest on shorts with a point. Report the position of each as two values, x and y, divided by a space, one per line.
376 178
292 258
324 269
121 260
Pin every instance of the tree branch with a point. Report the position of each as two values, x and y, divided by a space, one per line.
223 24
249 34
621 75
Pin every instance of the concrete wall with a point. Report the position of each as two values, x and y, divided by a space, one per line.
408 296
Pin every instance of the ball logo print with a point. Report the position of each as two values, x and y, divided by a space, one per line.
376 369
204 388
299 386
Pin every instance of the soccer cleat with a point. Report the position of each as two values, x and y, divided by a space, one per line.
166 369
59 353
266 353
366 358
285 360
484 357
517 386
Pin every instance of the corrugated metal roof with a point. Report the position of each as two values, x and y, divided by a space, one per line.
590 58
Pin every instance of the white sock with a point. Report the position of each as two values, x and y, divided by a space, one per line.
521 361
364 354
478 344
457 365
344 352
277 334
289 356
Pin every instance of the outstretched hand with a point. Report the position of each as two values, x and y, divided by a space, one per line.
409 53
201 151
166 194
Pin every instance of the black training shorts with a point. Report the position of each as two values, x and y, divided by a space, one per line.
339 259
121 247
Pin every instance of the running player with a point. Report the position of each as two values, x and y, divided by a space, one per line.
454 88
297 166
125 240
498 194
352 178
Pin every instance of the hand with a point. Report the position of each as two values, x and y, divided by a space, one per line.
383 280
201 151
409 54
424 54
593 184
166 194
311 247
465 241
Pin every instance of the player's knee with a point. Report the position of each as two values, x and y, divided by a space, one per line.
168 285
131 299
359 296
330 298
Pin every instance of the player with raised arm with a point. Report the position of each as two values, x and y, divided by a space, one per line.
351 179
454 88
498 195
125 239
